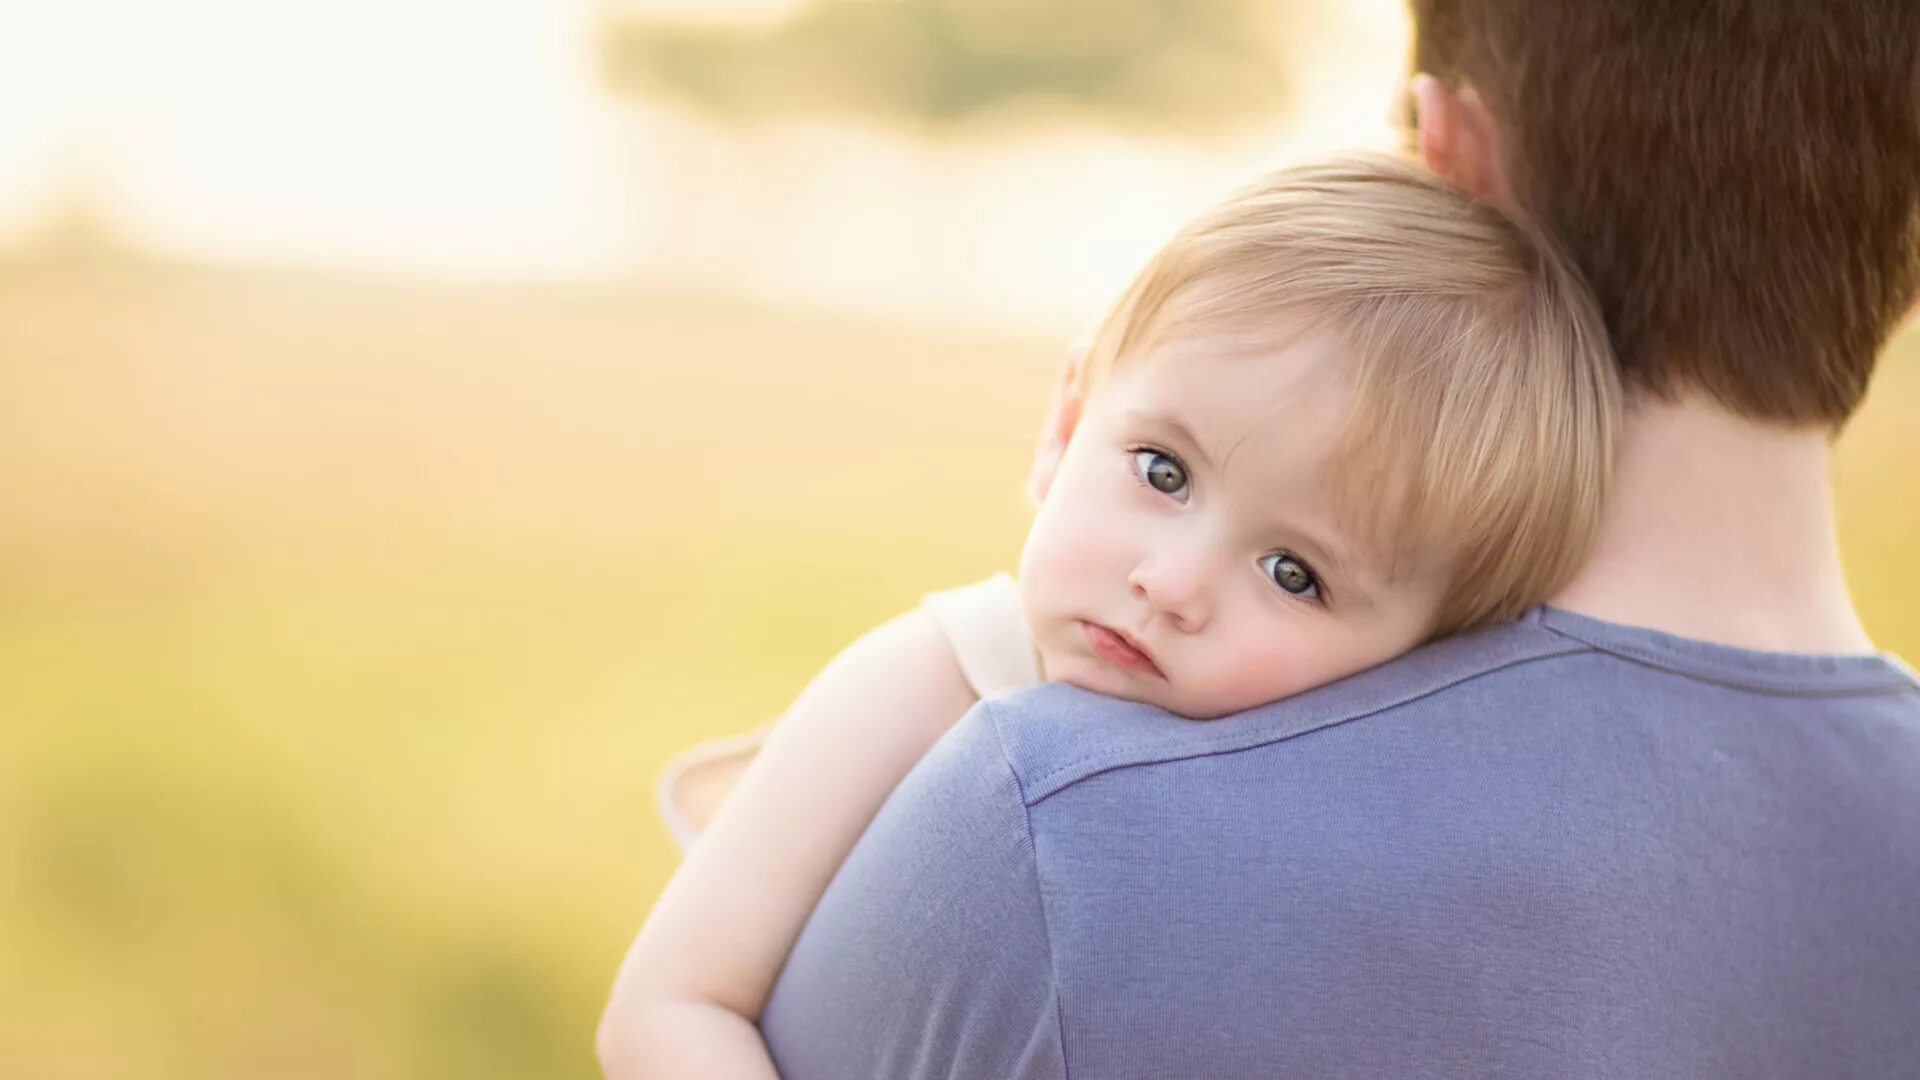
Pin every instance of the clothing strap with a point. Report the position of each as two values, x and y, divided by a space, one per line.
984 626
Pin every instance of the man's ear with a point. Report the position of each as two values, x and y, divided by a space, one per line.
1063 416
1456 136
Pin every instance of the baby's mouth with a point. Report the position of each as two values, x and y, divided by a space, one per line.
1119 650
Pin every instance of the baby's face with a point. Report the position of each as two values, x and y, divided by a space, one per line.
1187 553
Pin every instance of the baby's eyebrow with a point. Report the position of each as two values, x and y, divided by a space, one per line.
1172 423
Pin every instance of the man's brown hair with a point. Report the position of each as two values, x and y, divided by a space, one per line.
1739 180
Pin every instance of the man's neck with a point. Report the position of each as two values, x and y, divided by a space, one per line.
1721 530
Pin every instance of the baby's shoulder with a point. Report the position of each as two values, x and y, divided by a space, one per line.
984 627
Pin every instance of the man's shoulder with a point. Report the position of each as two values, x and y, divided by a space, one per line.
1556 826
1055 735
1547 679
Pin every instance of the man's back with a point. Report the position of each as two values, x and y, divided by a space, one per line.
1563 847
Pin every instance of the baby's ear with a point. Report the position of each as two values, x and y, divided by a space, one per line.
1063 415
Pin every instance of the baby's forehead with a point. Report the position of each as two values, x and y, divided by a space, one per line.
1243 406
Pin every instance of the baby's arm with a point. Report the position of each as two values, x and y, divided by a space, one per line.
694 982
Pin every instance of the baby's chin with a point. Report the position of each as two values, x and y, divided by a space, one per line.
1091 675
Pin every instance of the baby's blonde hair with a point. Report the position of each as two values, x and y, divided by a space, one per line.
1485 398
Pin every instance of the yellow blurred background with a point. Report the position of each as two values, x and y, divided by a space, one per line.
418 419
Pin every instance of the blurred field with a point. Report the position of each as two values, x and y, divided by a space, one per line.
344 625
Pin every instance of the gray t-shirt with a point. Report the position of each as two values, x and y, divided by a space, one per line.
1561 847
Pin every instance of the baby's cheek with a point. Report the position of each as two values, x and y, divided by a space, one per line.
1058 557
1258 675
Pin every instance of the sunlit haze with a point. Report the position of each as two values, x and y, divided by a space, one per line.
432 137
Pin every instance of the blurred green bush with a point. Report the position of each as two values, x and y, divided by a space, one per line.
933 64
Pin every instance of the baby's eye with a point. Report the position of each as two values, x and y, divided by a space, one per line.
1296 577
1161 472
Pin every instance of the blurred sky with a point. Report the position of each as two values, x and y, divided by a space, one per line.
476 141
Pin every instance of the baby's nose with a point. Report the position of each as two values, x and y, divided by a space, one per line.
1176 589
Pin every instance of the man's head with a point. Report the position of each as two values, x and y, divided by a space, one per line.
1738 179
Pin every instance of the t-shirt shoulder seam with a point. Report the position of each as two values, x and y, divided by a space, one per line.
1039 887
1754 683
1110 758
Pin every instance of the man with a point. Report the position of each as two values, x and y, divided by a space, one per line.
1666 826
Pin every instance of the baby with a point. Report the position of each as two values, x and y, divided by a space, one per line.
1344 413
